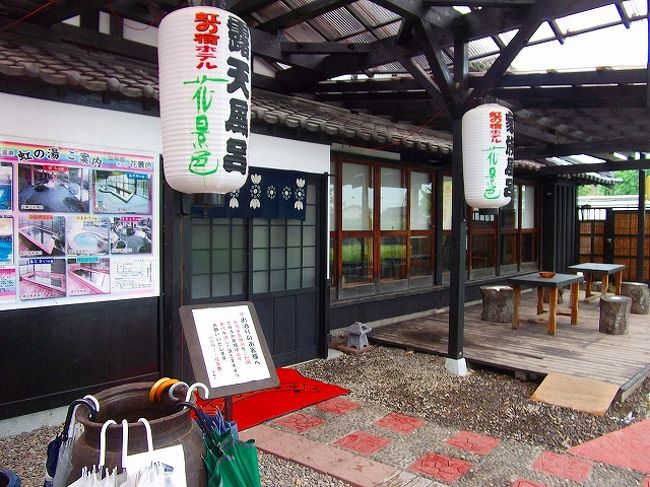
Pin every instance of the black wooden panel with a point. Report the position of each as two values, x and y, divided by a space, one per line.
307 321
284 324
52 354
264 309
387 306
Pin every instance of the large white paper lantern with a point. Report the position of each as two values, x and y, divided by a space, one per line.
205 91
488 155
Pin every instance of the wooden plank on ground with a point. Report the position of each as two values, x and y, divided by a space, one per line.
587 395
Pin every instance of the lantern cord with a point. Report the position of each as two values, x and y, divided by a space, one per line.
28 15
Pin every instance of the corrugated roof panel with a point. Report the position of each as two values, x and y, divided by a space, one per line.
389 30
506 37
636 8
388 68
337 24
303 32
592 18
372 14
271 11
422 61
481 47
361 38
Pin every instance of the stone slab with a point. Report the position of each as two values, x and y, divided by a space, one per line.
587 395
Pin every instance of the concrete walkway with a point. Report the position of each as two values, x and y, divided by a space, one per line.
369 446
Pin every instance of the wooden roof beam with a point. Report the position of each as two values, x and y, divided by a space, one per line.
64 10
614 144
490 79
595 167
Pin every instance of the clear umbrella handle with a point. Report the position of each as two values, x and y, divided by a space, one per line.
125 441
102 443
147 428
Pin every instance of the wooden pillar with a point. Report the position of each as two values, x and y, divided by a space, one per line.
458 218
640 239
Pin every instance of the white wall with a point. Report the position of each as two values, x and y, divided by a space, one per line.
293 155
85 126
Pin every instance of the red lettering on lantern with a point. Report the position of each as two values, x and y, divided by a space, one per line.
206 38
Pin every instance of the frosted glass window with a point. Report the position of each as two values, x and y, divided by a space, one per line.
393 200
308 277
527 206
200 287
278 236
277 280
260 236
238 283
278 260
260 282
221 261
260 260
220 237
293 278
200 236
200 261
221 285
421 201
357 197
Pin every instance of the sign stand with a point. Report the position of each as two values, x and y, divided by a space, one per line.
227 349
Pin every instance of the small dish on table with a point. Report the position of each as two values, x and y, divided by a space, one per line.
546 274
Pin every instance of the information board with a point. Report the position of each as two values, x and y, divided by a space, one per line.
227 348
77 224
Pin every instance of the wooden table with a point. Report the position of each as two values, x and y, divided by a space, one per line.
591 269
553 283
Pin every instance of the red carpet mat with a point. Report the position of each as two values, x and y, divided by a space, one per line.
294 392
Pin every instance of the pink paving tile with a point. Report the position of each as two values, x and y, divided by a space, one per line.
362 442
338 405
646 482
440 467
527 483
323 458
564 466
473 442
259 433
299 422
287 445
399 423
363 472
627 447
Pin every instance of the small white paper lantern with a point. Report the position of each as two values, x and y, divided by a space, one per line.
488 155
205 92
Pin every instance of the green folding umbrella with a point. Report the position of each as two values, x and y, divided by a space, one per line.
236 466
229 462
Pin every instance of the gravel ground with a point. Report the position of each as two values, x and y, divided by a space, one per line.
484 402
415 384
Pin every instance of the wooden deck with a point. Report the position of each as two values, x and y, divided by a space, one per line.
579 350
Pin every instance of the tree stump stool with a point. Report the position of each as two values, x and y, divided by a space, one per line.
497 304
638 291
614 315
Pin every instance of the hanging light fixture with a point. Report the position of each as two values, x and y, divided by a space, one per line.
488 155
205 92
